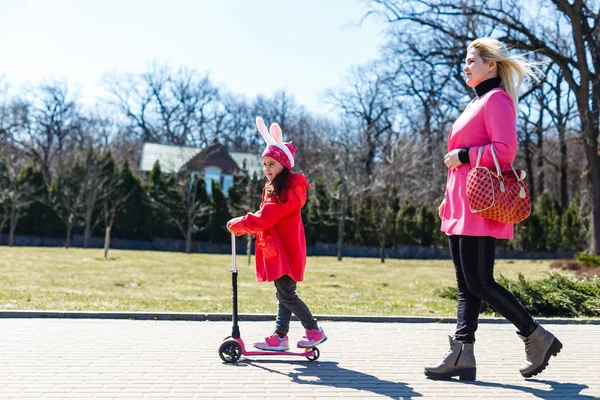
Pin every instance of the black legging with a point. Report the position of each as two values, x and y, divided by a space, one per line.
290 303
473 259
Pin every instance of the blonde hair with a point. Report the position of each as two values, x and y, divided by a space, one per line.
512 69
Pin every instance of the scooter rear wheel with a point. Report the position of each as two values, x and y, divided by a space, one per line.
315 356
230 351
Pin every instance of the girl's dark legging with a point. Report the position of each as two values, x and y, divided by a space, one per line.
290 303
473 259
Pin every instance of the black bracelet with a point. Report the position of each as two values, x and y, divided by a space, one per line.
463 156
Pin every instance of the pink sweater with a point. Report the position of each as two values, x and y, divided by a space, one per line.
489 119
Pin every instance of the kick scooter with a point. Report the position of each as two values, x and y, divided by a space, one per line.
233 347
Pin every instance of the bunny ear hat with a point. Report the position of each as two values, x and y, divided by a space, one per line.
276 148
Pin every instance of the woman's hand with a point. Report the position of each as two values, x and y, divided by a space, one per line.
451 160
441 209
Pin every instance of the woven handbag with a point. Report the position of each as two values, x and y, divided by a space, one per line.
502 197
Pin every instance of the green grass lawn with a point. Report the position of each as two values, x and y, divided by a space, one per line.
76 279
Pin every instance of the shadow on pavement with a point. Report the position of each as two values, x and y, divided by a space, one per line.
557 389
329 373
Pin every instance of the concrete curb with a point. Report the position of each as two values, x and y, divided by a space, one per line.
173 316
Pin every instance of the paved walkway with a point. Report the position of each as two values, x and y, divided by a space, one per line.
120 359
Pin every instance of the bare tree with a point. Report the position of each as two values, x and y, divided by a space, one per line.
335 160
49 117
133 98
66 197
10 118
429 92
98 173
117 192
281 108
238 126
525 136
18 190
562 111
5 193
166 107
371 106
535 125
182 199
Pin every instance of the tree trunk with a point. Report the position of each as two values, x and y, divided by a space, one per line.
340 241
540 159
382 248
87 232
14 219
3 224
106 242
427 136
188 241
529 167
68 238
249 249
587 105
341 223
564 189
594 176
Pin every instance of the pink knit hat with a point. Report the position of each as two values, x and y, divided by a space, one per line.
277 154
276 148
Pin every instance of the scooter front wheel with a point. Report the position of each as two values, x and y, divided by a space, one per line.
230 351
315 356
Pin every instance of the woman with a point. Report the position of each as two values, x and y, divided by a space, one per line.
490 119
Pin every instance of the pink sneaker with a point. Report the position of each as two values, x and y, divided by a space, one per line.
273 343
313 337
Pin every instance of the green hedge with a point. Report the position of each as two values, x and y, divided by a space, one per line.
588 260
554 296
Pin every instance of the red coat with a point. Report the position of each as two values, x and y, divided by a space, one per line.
282 220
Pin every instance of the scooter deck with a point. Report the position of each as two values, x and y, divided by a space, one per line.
278 353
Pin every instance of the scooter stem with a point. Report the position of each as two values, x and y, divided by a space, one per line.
233 253
235 331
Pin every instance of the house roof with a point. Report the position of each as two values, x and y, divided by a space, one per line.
250 162
173 158
213 155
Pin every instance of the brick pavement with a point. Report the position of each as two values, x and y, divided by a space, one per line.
127 359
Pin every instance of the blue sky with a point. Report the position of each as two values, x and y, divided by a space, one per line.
249 46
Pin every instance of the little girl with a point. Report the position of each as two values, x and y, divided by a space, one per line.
280 240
